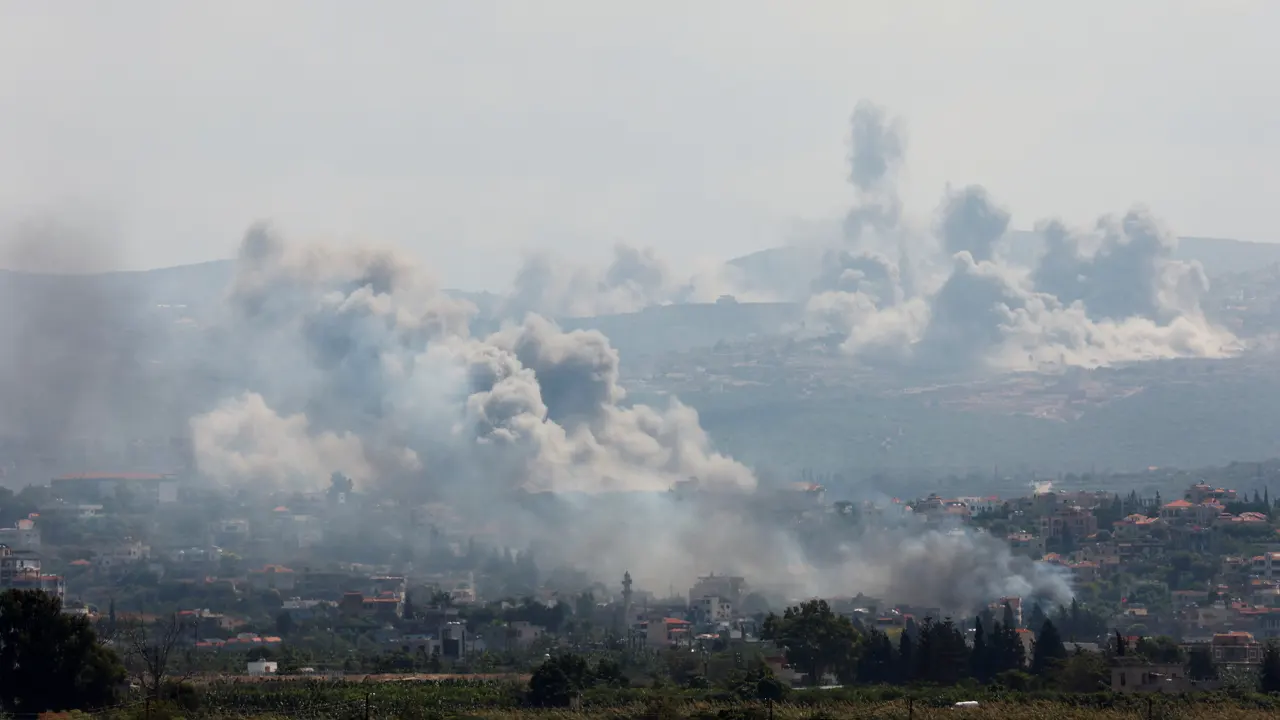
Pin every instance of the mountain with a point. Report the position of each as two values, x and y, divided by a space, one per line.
787 271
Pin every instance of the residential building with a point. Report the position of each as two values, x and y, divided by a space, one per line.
1071 519
1236 648
22 537
1131 675
262 667
1026 544
1266 565
21 571
126 553
1137 526
713 609
727 587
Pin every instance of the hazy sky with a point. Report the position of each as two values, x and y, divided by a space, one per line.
468 130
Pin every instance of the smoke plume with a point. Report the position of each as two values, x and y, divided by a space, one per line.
353 361
950 301
635 279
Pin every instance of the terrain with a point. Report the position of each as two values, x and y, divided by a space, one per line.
768 394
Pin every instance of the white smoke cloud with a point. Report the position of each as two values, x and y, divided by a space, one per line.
1097 297
635 279
354 362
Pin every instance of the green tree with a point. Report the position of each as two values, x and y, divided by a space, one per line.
284 624
980 658
941 653
1048 653
815 639
1269 673
51 661
1200 665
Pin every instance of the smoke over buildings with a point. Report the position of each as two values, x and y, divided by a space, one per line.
948 299
354 362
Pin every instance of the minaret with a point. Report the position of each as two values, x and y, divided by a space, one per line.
624 621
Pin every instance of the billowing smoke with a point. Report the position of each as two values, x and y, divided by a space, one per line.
949 300
354 362
635 279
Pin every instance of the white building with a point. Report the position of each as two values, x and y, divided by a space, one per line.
258 668
128 552
23 537
713 609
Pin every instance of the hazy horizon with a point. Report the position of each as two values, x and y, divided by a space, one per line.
469 132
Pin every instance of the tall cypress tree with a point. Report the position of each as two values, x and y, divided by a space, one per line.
1048 652
906 670
979 660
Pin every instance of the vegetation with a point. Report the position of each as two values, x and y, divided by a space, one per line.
50 660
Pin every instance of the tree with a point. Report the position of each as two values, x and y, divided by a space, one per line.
1269 673
149 653
875 663
815 639
941 653
1084 672
906 670
980 658
1048 653
284 624
1200 665
51 661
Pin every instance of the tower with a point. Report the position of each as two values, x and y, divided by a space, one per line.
624 618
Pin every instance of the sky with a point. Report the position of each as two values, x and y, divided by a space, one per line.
469 131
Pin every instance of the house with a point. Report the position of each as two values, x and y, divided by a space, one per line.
125 553
1137 526
662 632
22 537
21 571
1177 510
1236 648
258 668
1070 520
713 609
728 587
1026 544
1132 675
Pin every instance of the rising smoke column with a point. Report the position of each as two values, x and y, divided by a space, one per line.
353 362
1106 295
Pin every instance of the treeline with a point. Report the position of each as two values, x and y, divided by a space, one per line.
824 645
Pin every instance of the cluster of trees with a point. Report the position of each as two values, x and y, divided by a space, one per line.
819 642
51 661
561 678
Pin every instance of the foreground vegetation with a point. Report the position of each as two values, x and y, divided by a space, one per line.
317 699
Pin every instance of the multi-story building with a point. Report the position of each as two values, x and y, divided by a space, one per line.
22 537
1236 648
1073 519
125 553
1024 543
21 571
727 587
1266 565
